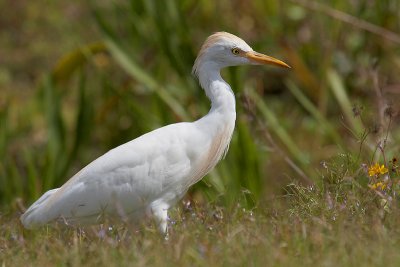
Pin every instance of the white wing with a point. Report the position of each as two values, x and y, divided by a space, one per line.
126 179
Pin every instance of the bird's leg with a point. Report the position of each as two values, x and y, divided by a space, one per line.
160 213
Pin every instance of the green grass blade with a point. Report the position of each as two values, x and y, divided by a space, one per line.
313 110
82 120
138 73
339 91
3 130
279 131
56 149
74 60
32 176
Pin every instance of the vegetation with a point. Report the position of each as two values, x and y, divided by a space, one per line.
312 173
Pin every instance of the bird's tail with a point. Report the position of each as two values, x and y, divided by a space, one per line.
36 214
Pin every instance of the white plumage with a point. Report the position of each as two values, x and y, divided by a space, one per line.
149 174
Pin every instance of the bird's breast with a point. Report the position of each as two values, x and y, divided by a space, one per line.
214 151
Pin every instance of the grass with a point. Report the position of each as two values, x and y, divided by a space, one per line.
305 227
294 189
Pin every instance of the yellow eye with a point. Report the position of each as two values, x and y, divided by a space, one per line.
235 51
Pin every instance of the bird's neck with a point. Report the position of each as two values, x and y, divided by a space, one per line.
217 90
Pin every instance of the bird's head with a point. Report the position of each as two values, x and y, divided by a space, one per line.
223 49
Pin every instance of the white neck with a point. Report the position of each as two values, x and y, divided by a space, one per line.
219 123
217 90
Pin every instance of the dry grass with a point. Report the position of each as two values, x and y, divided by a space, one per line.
305 227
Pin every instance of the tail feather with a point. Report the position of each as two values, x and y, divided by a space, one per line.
36 214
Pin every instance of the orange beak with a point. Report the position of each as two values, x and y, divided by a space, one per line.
259 58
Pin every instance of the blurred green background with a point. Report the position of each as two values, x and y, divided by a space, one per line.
77 79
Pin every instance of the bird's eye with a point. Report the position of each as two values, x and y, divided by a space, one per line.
235 51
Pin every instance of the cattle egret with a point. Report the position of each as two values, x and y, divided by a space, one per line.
149 174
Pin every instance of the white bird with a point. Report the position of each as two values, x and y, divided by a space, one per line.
149 174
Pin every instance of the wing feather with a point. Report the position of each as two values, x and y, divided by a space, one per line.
124 180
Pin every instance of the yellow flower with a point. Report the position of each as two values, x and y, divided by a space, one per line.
378 186
376 169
